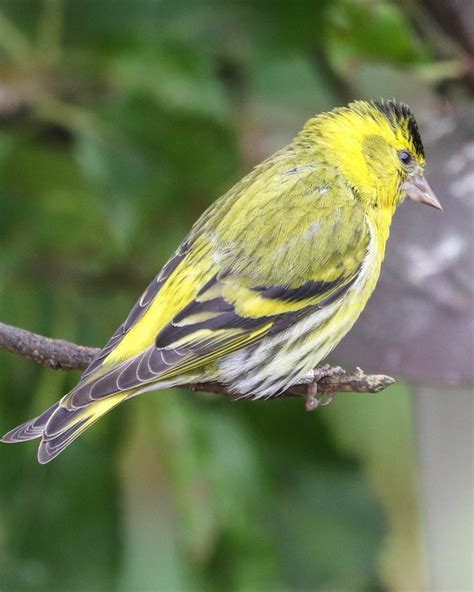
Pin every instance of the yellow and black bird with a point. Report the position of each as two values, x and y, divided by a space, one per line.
270 278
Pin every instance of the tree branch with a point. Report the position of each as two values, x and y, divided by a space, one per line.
64 355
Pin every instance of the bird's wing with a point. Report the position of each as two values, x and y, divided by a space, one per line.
262 257
208 306
139 309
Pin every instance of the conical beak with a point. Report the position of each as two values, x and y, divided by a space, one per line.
417 189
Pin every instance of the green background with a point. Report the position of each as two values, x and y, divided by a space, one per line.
120 122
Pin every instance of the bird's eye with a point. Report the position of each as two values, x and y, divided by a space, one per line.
405 157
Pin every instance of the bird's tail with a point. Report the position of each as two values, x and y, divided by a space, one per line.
58 427
30 429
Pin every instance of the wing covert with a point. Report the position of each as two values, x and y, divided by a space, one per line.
224 290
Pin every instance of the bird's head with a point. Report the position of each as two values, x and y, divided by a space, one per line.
377 147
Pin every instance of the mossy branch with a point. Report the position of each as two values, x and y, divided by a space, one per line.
64 355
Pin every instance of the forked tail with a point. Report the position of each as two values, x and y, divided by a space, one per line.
58 427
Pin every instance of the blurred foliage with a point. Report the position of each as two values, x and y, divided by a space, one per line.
120 122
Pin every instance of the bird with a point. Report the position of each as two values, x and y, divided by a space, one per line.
269 279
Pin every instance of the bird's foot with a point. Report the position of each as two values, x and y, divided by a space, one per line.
313 400
326 371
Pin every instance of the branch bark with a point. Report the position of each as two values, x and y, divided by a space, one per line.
64 355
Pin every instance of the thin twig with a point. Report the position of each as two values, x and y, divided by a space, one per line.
52 353
64 355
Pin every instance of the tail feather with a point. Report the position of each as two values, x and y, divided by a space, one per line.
30 429
65 426
58 426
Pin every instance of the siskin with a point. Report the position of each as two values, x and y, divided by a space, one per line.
270 278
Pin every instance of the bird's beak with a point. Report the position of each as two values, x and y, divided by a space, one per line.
417 189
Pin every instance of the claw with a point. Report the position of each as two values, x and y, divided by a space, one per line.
328 399
312 400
